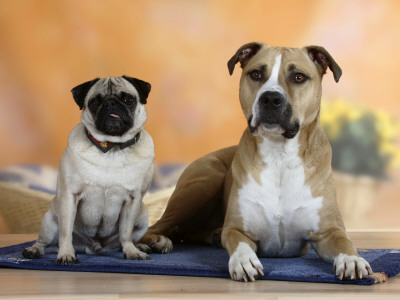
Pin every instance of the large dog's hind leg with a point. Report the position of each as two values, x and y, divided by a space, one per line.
197 194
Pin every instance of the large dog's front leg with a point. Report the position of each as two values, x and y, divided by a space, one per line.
333 245
129 214
244 264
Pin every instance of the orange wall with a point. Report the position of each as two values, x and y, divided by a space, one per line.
181 48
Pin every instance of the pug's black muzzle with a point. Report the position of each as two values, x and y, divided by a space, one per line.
113 118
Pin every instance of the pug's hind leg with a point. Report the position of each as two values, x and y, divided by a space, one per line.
48 236
130 215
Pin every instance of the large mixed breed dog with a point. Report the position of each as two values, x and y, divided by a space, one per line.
273 195
104 173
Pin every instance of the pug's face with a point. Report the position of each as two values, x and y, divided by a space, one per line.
113 107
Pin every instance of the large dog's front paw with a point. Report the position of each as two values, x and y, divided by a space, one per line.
158 243
136 255
351 267
244 264
33 252
66 259
143 247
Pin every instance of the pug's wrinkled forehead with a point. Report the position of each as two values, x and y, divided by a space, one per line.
112 86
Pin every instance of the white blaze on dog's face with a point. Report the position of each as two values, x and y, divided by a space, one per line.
280 88
113 107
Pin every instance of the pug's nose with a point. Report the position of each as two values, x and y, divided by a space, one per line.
109 103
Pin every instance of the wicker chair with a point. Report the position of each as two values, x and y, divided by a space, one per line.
22 209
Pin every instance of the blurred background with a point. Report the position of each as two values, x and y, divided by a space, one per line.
181 47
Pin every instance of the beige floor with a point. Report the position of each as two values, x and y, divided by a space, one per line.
383 212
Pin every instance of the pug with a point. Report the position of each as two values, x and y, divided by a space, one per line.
104 173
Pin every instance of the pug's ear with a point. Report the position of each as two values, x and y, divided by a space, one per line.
79 92
141 86
243 55
322 59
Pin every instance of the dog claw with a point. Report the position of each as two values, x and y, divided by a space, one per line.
234 276
159 244
351 267
137 256
31 254
144 248
67 260
353 275
341 275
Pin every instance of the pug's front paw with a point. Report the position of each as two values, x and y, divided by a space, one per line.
67 259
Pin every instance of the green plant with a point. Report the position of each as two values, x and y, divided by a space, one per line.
363 141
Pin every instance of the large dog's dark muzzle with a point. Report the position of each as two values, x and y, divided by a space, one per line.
273 111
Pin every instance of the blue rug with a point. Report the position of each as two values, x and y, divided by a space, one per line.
205 261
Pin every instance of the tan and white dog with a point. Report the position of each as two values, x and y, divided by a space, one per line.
273 195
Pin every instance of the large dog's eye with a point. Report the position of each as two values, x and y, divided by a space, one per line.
256 75
299 78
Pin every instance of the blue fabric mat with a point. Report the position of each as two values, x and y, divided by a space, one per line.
204 261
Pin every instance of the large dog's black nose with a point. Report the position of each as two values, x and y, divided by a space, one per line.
272 100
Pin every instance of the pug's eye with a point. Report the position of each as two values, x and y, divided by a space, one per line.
129 100
94 103
299 78
256 75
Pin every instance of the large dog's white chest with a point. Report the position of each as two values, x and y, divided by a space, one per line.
278 209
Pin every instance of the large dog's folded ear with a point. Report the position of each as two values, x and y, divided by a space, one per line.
323 60
243 55
79 92
141 86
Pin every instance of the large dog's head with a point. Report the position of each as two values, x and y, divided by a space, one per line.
280 88
113 107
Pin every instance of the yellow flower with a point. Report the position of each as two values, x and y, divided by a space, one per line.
335 113
395 161
386 127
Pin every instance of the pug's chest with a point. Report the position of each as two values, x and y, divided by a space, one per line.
103 185
116 169
98 210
